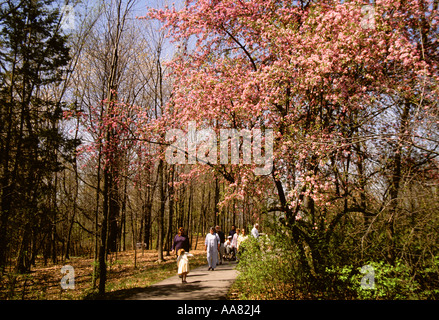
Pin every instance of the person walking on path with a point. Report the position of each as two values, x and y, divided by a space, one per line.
212 245
181 241
183 264
222 238
255 231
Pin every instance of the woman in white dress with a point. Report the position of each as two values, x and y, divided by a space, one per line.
212 245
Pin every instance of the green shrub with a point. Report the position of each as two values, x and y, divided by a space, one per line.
267 269
270 269
389 283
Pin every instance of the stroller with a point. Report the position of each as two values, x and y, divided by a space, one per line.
229 252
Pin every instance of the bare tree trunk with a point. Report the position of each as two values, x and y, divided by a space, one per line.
395 182
189 208
215 204
161 212
134 232
171 210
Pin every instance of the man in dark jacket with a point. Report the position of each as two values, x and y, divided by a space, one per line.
222 240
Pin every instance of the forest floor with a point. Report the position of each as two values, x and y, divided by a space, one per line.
44 281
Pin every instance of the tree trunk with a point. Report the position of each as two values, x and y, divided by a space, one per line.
395 184
189 209
161 212
216 200
171 211
103 243
23 262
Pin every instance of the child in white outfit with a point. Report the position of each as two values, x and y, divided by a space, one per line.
183 264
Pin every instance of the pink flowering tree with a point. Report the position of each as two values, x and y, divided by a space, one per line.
347 88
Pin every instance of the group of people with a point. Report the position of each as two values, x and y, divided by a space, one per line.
216 247
229 247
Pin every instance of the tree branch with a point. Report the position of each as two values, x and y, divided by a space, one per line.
242 47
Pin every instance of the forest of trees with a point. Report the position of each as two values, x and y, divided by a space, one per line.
58 196
84 112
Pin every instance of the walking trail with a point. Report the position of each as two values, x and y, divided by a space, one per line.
201 285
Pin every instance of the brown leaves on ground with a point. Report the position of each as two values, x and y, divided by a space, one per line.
44 282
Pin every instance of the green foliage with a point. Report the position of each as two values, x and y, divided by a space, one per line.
272 268
34 57
396 282
268 268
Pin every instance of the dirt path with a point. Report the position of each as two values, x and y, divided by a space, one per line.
201 285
